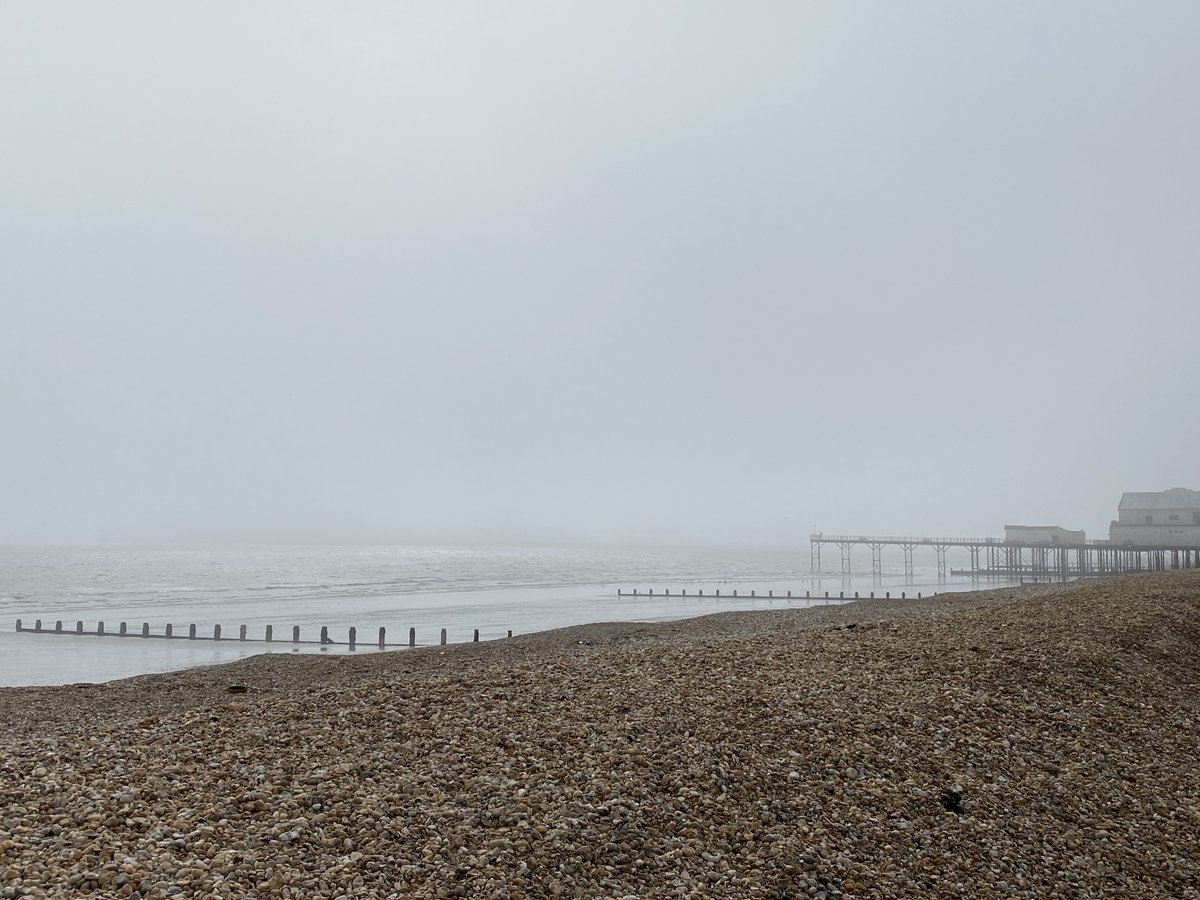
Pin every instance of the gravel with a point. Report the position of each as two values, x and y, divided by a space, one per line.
1025 742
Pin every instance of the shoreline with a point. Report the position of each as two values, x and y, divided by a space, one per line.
1027 741
49 709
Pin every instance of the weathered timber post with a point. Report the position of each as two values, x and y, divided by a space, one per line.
700 593
58 627
295 634
145 629
887 596
412 637
443 636
353 639
270 635
806 596
79 627
216 632
324 635
789 595
770 593
18 624
124 630
382 632
242 633
683 593
718 592
510 632
856 595
902 596
99 628
872 595
827 595
170 630
752 593
192 632
476 638
735 593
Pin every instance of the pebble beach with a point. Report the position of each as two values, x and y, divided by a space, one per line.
1038 741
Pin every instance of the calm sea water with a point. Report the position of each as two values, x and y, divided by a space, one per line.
493 589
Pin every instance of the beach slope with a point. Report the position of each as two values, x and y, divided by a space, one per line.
1020 742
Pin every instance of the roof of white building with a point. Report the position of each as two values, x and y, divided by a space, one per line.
1175 498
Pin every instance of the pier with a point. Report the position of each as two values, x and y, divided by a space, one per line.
1000 558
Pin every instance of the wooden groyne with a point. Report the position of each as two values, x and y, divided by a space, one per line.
194 634
769 595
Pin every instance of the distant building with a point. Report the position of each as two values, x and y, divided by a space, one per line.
1042 534
1158 519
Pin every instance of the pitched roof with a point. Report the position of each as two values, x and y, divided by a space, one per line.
1175 498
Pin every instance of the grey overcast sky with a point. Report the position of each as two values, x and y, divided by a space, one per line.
618 271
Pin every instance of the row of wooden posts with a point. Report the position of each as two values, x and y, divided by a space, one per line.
770 595
268 636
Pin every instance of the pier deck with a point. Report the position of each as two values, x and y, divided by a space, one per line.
997 557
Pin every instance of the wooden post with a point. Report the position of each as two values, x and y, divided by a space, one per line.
124 630
902 597
18 624
170 630
99 628
718 592
443 637
700 593
79 627
324 635
145 629
58 627
770 593
735 593
683 593
476 638
242 633
353 639
295 634
270 635
412 637
887 596
806 596
856 595
789 595
192 632
382 632
216 632
510 632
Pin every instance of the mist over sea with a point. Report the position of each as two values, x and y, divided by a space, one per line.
494 589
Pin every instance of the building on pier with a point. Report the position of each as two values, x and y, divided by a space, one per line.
1042 534
1168 518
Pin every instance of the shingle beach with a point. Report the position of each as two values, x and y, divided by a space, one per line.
1026 742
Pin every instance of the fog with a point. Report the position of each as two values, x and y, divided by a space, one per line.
624 272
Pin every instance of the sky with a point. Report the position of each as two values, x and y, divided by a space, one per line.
594 272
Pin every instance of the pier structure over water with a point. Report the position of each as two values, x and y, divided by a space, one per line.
1000 558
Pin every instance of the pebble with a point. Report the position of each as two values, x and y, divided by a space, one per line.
755 754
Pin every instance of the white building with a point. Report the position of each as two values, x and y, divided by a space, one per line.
1158 519
1042 534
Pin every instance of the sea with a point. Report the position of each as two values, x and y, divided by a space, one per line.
494 590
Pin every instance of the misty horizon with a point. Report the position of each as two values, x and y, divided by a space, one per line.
681 274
